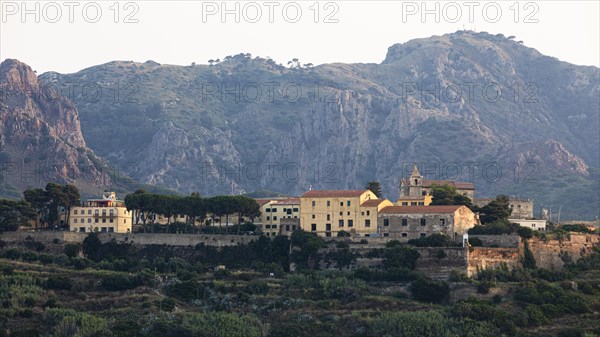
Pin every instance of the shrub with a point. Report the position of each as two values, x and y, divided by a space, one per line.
186 290
117 282
72 249
475 242
426 290
59 282
434 240
400 257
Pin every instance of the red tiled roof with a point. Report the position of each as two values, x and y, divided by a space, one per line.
414 197
372 203
290 201
261 202
333 193
421 209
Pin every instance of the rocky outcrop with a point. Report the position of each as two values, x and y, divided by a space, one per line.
40 135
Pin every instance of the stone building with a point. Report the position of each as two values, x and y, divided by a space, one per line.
416 191
412 222
521 208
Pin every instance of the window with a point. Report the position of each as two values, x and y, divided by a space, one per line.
328 227
328 217
96 212
82 229
287 228
386 222
348 203
341 203
341 223
386 234
274 217
313 216
413 203
423 222
421 203
96 220
103 220
111 220
124 220
328 203
268 218
416 182
367 223
341 213
274 226
313 227
350 223
368 212
314 203
404 222
74 220
443 222
273 210
328 235
111 229
103 230
75 212
89 220
288 211
111 212
362 213
404 235
405 203
422 235
268 226
267 210
295 209
423 193
348 213
89 212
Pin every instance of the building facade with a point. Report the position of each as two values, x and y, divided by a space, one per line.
521 208
107 214
327 212
273 211
416 191
536 225
413 222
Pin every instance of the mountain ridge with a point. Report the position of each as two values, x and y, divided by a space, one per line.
201 128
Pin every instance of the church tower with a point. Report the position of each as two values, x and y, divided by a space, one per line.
415 182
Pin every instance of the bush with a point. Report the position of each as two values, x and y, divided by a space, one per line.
434 240
117 282
72 249
426 290
400 257
186 290
475 242
59 282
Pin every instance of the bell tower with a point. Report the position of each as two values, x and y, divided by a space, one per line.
415 182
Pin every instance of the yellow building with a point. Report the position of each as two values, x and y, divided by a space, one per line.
327 212
108 214
416 191
273 210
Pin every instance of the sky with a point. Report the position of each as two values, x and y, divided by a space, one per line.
67 36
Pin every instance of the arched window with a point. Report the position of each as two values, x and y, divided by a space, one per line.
416 181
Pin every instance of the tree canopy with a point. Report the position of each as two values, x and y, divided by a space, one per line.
447 195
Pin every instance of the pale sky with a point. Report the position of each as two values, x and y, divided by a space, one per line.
71 35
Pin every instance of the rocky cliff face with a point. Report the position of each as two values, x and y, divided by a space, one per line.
468 106
40 135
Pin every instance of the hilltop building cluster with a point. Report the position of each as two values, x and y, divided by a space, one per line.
329 213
